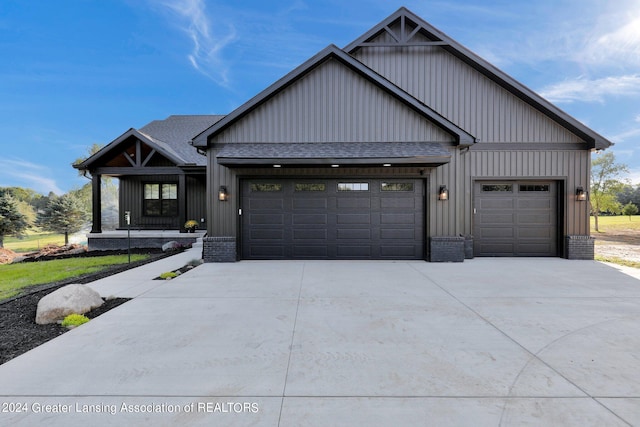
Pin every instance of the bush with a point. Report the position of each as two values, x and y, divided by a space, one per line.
168 275
74 320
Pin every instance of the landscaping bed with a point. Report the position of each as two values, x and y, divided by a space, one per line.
18 331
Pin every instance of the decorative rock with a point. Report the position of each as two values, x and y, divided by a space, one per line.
170 246
67 300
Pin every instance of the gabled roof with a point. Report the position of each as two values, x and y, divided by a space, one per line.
169 137
333 52
438 38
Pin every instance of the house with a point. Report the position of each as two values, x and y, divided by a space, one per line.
402 145
162 183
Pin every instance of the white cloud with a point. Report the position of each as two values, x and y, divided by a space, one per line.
626 135
22 173
592 90
208 40
616 39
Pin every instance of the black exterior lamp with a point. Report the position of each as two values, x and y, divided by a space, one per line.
443 193
223 195
581 195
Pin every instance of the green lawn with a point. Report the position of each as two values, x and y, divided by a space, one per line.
14 277
621 222
33 241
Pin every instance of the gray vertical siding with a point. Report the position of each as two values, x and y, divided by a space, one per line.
131 198
463 95
333 104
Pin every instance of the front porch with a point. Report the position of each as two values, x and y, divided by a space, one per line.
152 239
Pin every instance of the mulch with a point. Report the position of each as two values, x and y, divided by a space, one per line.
19 331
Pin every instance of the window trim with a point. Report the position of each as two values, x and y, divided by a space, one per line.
164 212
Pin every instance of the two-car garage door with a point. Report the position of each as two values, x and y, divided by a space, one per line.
332 219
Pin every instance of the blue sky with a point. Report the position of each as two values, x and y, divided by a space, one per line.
78 72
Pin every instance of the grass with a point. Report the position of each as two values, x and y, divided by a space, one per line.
621 222
14 277
619 261
33 241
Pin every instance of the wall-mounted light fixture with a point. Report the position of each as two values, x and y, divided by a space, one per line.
223 195
443 193
581 195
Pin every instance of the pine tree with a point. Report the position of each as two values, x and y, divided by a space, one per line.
12 222
64 214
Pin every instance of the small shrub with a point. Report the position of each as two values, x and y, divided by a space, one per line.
195 262
74 320
168 275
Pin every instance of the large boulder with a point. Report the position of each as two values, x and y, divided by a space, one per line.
170 246
67 300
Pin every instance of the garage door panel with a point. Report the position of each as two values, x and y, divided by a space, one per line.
496 232
496 218
298 219
536 233
398 203
515 219
346 234
310 234
355 203
306 251
497 249
361 219
267 234
395 251
397 218
543 204
267 204
266 219
309 203
271 251
353 219
534 218
397 234
351 251
498 203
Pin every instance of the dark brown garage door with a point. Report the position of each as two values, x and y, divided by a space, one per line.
515 219
332 219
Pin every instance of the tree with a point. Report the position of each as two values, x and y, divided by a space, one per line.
629 209
12 222
64 214
605 184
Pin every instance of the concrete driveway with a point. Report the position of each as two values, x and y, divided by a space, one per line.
487 342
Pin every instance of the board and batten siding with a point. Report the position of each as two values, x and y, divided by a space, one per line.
463 95
332 104
568 167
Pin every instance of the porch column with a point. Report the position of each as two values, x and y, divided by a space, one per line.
96 197
182 201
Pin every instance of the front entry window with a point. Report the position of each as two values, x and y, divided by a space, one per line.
160 199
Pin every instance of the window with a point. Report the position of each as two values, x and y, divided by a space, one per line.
497 187
534 187
396 186
160 199
310 187
353 186
266 187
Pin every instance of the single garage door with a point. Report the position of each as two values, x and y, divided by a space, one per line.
515 219
332 219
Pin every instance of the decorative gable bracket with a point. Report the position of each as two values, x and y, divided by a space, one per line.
403 36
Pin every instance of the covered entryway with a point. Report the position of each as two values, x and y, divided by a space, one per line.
333 219
515 218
